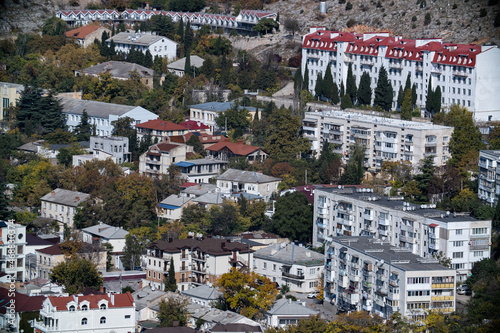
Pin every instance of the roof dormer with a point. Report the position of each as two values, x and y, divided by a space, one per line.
85 305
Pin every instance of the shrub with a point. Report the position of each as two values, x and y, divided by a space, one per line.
483 12
414 18
348 6
438 22
427 19
454 6
379 5
341 2
351 23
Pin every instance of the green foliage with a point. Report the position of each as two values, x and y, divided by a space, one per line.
132 252
318 88
293 217
328 83
348 6
483 12
335 93
365 90
173 310
76 275
84 129
466 136
192 6
346 102
265 25
383 91
54 26
65 155
443 259
240 163
406 108
197 145
496 215
350 87
306 78
170 281
423 178
427 19
224 219
355 170
127 289
236 118
291 25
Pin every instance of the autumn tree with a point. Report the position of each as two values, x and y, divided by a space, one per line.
173 312
466 136
247 293
76 275
494 136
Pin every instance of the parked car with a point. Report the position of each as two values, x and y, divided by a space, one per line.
314 294
464 290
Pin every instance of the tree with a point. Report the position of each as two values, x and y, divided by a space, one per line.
466 136
465 201
437 99
414 95
297 79
188 37
306 78
293 217
76 275
429 101
443 259
224 219
496 215
406 109
400 96
346 102
355 170
65 155
187 63
54 26
174 312
423 178
328 83
365 90
408 83
84 129
197 145
291 25
265 25
350 87
318 88
170 281
357 322
383 91
237 118
247 293
132 252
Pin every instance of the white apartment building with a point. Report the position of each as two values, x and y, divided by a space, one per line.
467 74
385 139
144 41
159 157
201 170
61 205
87 313
365 274
489 176
421 229
12 249
289 264
197 261
251 182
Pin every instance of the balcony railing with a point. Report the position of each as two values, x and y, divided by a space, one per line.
293 276
383 232
383 221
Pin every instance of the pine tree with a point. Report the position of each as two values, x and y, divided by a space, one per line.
429 101
84 128
401 95
170 281
328 83
335 93
365 90
383 92
350 87
406 108
414 95
318 88
306 78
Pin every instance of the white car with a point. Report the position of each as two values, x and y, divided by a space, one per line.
314 294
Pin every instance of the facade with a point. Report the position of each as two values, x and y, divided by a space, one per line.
171 208
87 313
463 72
202 295
489 176
177 67
224 150
12 250
60 205
236 181
197 261
419 229
9 94
287 312
159 129
207 113
201 170
85 35
158 46
292 265
121 70
101 114
103 233
385 139
116 146
161 156
365 274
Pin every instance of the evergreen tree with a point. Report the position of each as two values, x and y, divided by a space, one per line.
414 95
342 89
365 90
297 79
346 102
406 108
5 213
355 170
318 88
496 215
335 93
180 29
148 59
350 87
383 92
408 83
84 128
401 95
170 281
187 63
437 100
52 118
328 83
188 37
306 78
429 101
112 50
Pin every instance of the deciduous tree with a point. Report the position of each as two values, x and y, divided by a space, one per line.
293 217
173 310
466 136
76 275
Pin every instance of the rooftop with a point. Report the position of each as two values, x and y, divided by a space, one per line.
237 148
204 291
33 240
106 231
200 189
53 250
22 302
200 161
161 125
179 65
137 38
114 300
66 197
83 32
119 69
247 177
174 201
284 307
219 106
210 198
94 108
290 254
207 245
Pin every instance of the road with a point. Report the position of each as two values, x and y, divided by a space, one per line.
326 310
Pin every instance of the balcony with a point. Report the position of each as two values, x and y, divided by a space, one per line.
322 211
347 59
434 246
383 232
380 302
43 327
366 307
367 62
442 298
436 69
293 276
396 65
367 284
443 286
394 283
368 216
321 225
199 269
478 236
460 73
419 68
342 272
432 235
383 221
344 210
150 161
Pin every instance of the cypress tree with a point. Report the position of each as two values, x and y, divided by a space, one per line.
414 95
170 281
350 87
335 93
306 78
148 59
346 102
318 88
188 36
297 79
408 83
429 101
406 108
180 29
437 99
401 94
383 92
342 89
365 90
187 63
328 83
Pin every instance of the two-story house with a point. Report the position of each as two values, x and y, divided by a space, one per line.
224 150
161 156
256 183
171 207
61 205
144 41
201 170
160 129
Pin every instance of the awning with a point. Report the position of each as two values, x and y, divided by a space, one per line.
184 164
433 225
168 206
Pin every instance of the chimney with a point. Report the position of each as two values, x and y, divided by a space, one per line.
77 199
53 193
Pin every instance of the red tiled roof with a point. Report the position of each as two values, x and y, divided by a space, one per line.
52 250
188 184
114 300
433 225
236 148
164 147
22 302
194 125
161 125
82 32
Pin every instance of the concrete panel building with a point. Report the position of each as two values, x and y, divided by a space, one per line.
489 176
159 46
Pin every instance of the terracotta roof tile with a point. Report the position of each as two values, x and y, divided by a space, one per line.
114 300
82 32
161 125
22 302
52 250
236 148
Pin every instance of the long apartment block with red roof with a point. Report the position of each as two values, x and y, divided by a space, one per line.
468 75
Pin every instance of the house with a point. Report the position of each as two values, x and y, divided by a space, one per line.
292 265
203 295
161 156
197 261
201 170
61 205
159 46
101 114
34 243
171 208
207 113
195 126
146 298
212 317
87 34
121 70
236 328
48 150
224 150
16 309
103 233
489 176
102 148
77 313
177 67
210 199
12 250
287 312
420 229
197 190
374 276
9 94
159 129
234 181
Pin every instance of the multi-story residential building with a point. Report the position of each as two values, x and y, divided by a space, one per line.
12 249
384 139
9 94
101 114
362 273
87 313
256 183
292 265
463 72
87 34
60 205
158 46
103 233
197 261
224 150
201 170
207 113
489 176
117 146
421 229
161 156
160 129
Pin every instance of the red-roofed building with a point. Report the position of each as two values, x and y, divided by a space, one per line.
225 150
464 73
161 156
87 313
195 126
160 129
17 307
86 35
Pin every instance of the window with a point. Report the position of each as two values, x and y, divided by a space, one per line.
103 306
264 265
458 232
312 271
458 266
103 320
457 255
84 321
478 253
85 307
274 267
72 308
458 243
479 231
127 316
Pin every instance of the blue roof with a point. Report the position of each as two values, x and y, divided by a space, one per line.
168 206
184 164
219 106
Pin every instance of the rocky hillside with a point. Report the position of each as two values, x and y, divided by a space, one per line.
458 21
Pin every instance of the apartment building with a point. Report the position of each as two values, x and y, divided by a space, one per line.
289 264
197 261
158 46
201 170
12 249
160 129
161 156
87 313
464 72
9 94
384 139
421 229
489 176
251 182
363 273
61 205
207 113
